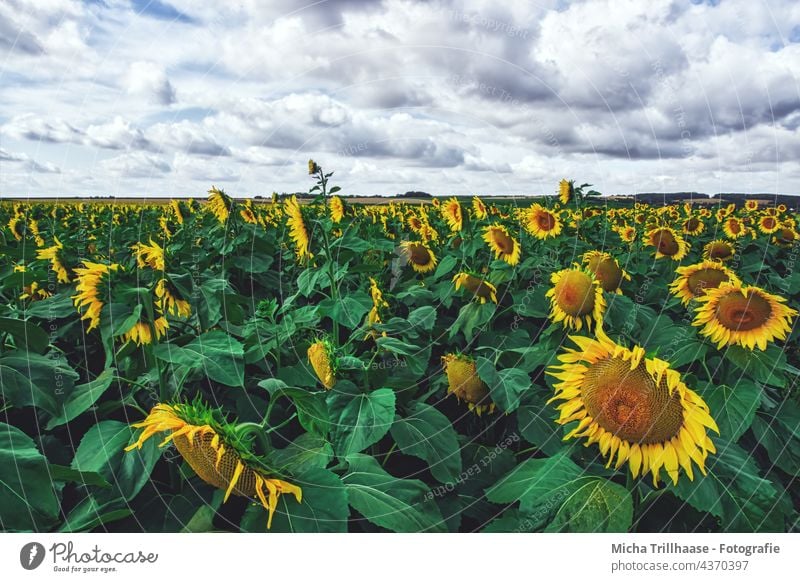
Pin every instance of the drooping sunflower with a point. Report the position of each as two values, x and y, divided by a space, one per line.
451 212
297 228
419 256
90 294
786 236
337 209
667 242
142 332
479 208
541 222
463 381
719 250
637 409
151 255
694 280
768 224
168 300
734 227
320 355
219 204
744 315
606 269
53 254
482 291
693 226
566 189
503 244
215 452
576 298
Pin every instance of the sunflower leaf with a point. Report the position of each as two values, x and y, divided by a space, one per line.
597 506
363 421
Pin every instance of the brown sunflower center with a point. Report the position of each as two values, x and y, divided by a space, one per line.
743 313
629 403
478 287
768 222
419 255
574 293
692 224
462 377
704 279
786 235
666 242
503 241
734 226
545 220
607 271
719 251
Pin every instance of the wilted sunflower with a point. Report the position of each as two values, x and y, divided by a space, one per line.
541 222
503 244
337 209
694 280
565 191
53 254
637 409
89 278
747 316
693 226
768 224
214 451
668 243
297 228
419 256
219 204
320 354
734 227
464 382
478 208
451 211
151 255
481 289
576 298
142 332
168 300
606 269
718 250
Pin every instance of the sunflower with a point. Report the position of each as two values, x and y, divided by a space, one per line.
337 209
734 227
151 255
751 205
694 280
451 211
320 354
627 233
541 222
141 334
481 289
175 205
219 204
606 269
169 301
464 382
786 236
478 208
297 228
313 168
34 292
89 278
502 243
247 213
576 298
719 250
693 226
215 452
53 254
768 224
17 226
747 316
667 242
637 409
419 256
566 189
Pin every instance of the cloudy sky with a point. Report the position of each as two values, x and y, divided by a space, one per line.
166 97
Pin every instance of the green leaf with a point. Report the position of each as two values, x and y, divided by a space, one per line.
766 367
399 505
68 474
535 419
397 346
506 387
220 356
28 379
423 317
471 316
27 336
427 433
91 513
733 408
534 480
123 319
82 397
599 506
305 452
364 421
324 508
445 266
778 431
348 311
312 408
58 306
28 501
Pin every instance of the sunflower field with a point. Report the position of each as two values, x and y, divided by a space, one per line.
563 363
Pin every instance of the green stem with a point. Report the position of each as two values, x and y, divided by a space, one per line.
389 454
281 425
244 429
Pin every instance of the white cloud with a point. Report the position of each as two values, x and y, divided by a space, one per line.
149 81
136 165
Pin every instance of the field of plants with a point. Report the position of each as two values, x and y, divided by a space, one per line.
560 364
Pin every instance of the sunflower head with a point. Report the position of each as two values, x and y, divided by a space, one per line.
479 208
337 209
668 243
215 452
464 382
751 205
502 243
627 233
313 168
92 288
220 204
451 211
566 189
151 255
734 227
637 409
786 236
576 298
719 250
321 357
694 280
768 224
419 256
606 269
55 255
693 226
541 222
482 291
748 316
297 229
